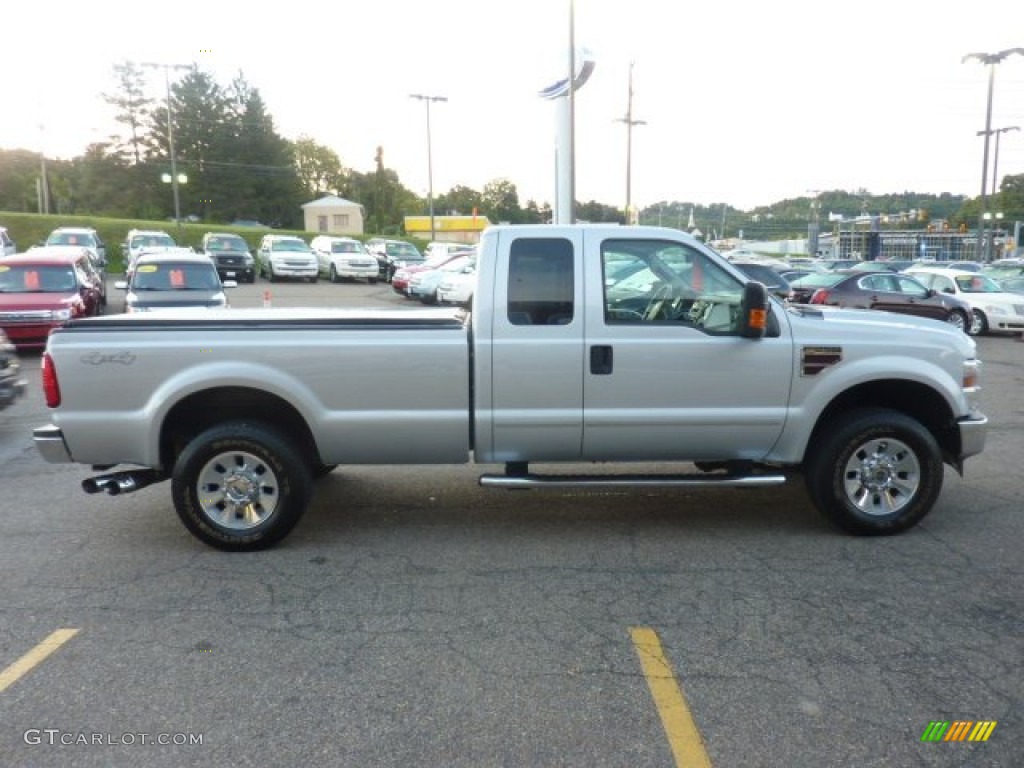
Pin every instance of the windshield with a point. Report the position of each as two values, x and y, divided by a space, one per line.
226 243
818 280
71 238
977 284
402 249
176 277
345 247
290 245
152 241
37 279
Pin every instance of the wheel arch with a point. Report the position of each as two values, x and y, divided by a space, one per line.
201 410
912 398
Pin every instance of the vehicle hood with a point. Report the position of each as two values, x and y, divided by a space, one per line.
832 325
168 299
21 302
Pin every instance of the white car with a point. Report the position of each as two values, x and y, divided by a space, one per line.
286 256
994 309
344 258
458 287
424 285
141 241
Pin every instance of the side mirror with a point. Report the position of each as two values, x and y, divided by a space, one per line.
754 311
929 293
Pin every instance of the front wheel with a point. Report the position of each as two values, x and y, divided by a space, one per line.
240 486
979 323
874 471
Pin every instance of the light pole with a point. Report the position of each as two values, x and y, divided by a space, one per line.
630 122
430 163
995 160
990 60
170 134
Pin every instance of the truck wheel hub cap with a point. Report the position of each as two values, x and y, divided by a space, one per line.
237 490
881 476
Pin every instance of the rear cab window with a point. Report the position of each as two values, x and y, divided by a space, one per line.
541 282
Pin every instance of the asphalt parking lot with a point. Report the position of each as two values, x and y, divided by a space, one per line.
414 618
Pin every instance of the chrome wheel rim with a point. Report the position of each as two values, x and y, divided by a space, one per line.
956 320
977 322
238 490
881 477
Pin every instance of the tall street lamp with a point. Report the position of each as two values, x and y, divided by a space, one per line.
630 122
170 134
990 60
995 160
430 163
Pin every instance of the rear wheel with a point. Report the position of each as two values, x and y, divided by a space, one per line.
240 486
874 471
334 274
958 319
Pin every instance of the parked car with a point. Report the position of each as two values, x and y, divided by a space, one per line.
286 256
40 292
457 288
400 280
392 255
887 291
423 285
139 240
12 383
442 249
344 258
771 277
79 236
173 280
7 245
993 308
230 255
96 264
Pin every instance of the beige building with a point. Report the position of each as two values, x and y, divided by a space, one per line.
333 215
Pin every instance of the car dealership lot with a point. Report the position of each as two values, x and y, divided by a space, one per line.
415 618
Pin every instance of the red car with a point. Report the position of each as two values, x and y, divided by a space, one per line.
41 292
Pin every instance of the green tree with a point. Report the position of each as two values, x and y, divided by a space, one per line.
133 108
500 201
318 167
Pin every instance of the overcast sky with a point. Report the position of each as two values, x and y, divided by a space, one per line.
745 102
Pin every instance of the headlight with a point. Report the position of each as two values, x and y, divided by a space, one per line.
60 314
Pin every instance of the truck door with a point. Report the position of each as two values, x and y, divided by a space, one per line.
667 374
534 380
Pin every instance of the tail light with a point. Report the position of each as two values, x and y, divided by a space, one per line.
820 296
51 388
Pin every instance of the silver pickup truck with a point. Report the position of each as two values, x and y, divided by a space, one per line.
584 344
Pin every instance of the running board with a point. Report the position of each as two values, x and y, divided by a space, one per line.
629 481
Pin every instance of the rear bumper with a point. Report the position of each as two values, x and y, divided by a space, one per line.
50 443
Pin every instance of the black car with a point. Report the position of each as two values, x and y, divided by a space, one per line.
230 254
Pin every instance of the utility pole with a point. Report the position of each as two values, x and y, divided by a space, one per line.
630 122
430 163
990 60
170 134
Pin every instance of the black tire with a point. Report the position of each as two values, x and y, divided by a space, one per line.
372 281
270 477
874 471
979 323
334 274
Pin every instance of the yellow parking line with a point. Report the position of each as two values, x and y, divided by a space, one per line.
683 736
33 658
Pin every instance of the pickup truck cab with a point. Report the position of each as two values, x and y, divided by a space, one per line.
585 344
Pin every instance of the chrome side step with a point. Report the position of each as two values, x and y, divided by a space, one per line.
525 481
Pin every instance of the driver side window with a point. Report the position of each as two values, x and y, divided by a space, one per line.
667 283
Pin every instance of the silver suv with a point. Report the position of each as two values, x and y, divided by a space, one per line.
286 256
